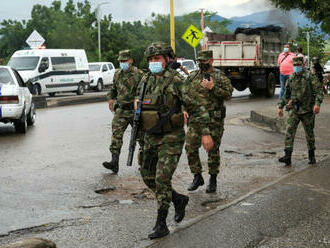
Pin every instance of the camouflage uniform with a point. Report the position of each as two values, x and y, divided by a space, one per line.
302 92
162 151
206 115
123 91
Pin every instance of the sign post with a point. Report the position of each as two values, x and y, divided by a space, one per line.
192 36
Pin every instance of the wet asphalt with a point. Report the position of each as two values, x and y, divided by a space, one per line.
49 177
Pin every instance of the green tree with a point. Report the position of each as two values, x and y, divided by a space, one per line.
317 10
316 43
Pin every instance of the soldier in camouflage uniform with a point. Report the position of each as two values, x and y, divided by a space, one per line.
302 97
210 94
162 121
121 102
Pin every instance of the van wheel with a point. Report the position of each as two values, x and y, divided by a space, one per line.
81 89
271 85
21 124
52 94
36 89
31 118
99 85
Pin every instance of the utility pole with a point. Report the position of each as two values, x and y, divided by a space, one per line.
308 54
98 16
172 25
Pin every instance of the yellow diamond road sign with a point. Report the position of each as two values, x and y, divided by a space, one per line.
192 36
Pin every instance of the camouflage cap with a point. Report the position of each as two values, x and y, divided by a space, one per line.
205 55
298 61
157 48
125 55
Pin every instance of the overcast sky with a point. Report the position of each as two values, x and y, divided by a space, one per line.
131 10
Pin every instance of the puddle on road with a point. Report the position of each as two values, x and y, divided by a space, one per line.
128 188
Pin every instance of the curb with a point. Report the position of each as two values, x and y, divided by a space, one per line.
274 123
44 102
210 213
31 243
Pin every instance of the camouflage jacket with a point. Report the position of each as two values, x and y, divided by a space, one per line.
124 86
203 104
170 87
302 92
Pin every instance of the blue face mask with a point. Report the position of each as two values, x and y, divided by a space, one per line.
124 65
155 67
297 69
286 49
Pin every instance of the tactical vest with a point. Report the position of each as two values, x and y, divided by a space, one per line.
161 112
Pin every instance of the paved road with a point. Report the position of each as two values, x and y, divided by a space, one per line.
293 213
49 176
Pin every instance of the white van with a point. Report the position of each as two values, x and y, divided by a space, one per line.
52 70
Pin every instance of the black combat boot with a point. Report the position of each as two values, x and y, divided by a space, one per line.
160 230
180 202
212 187
311 157
198 181
113 164
286 158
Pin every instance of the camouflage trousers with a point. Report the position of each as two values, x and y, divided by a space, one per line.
160 159
194 142
120 121
308 121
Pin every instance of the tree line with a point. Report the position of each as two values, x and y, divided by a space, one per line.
75 26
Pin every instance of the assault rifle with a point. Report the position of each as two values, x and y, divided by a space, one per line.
136 123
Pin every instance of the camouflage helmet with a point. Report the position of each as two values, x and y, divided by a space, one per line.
205 55
298 61
124 55
157 48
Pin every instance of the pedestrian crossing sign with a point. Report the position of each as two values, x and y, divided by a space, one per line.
192 36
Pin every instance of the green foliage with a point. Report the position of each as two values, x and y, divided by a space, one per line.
75 26
316 44
317 10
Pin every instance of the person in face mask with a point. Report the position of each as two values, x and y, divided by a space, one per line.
302 97
207 89
162 121
121 103
286 66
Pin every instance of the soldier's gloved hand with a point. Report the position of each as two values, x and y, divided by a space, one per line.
316 109
111 105
208 84
207 142
280 112
186 116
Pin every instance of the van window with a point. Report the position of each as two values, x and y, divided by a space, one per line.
63 63
25 63
110 66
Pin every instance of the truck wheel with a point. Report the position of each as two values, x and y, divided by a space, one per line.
99 85
31 118
81 89
256 91
21 124
271 85
52 94
240 86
